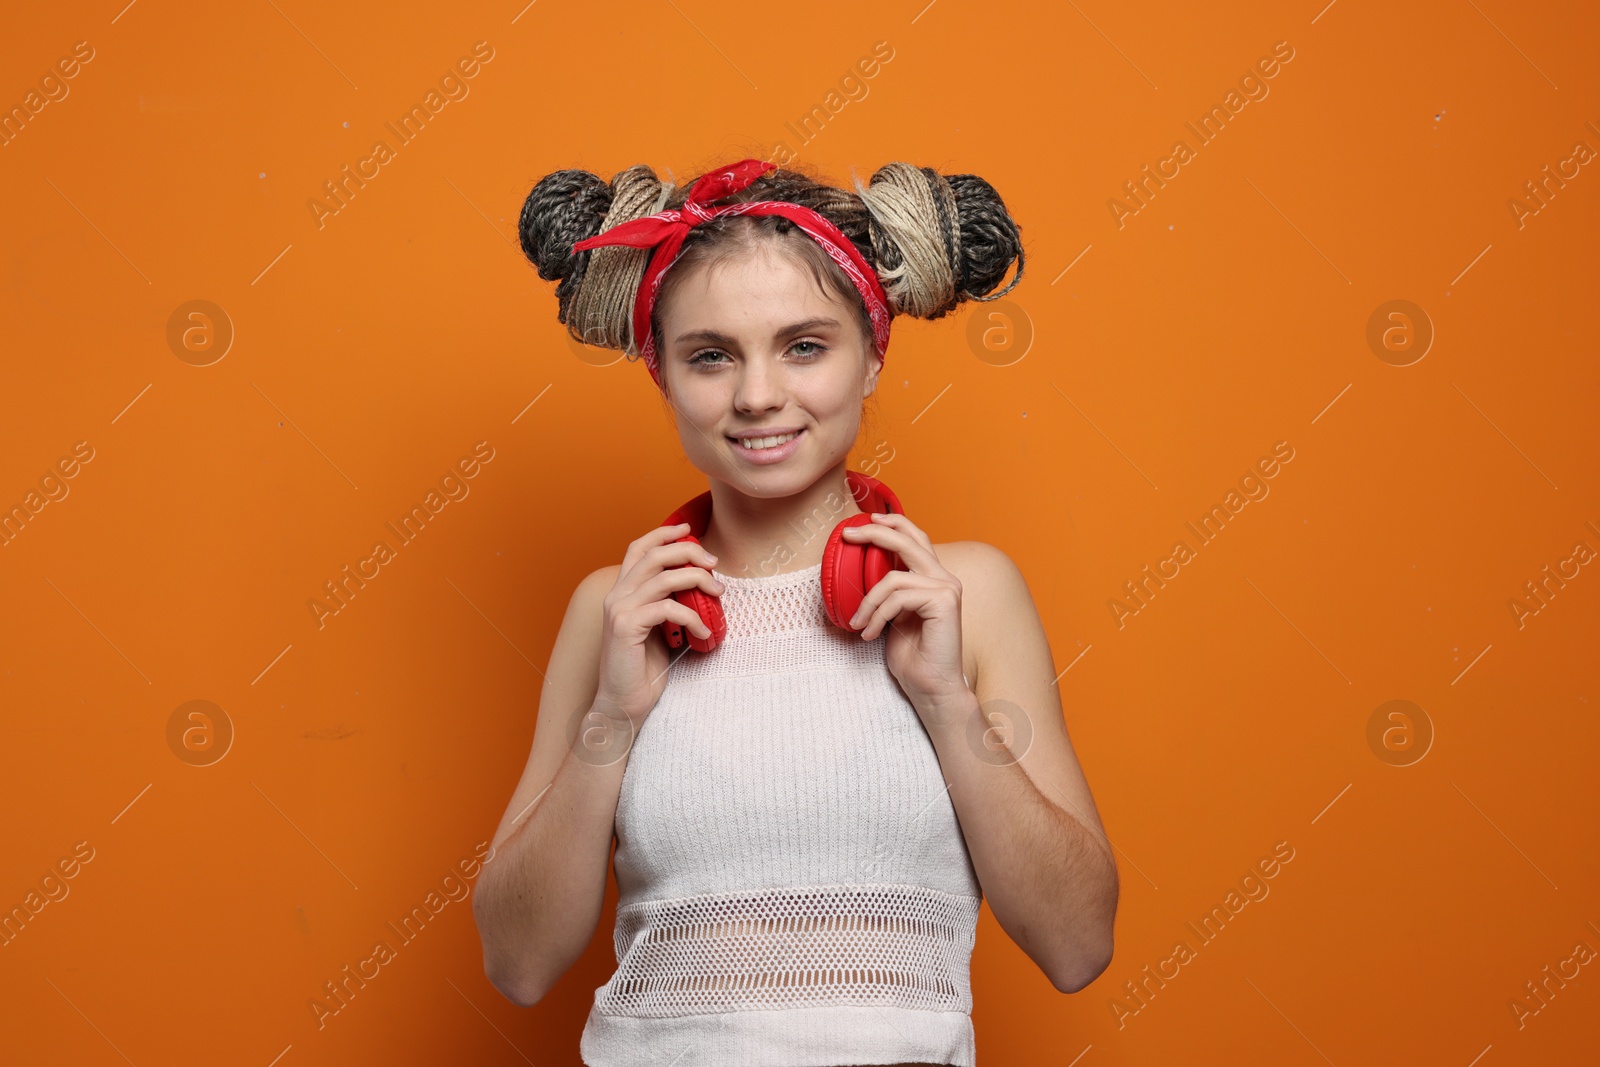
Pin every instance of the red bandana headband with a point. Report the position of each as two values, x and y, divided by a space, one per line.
666 231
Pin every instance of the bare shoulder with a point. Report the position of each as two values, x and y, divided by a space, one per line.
597 583
992 588
979 566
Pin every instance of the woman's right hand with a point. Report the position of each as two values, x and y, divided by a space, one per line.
633 653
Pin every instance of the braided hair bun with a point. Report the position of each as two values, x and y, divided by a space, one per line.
935 240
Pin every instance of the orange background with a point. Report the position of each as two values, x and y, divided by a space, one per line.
372 755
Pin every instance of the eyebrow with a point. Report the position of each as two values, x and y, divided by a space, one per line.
718 338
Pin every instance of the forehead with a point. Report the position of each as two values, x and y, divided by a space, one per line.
755 290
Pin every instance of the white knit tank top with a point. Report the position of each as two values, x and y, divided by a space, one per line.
794 887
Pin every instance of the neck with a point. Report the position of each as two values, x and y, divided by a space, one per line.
754 537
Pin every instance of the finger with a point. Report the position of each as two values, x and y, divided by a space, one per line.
898 592
917 556
897 521
893 605
661 535
671 556
679 553
664 584
646 617
876 595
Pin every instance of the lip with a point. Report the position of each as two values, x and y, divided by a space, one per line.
769 455
770 431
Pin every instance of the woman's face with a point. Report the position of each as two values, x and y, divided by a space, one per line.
755 343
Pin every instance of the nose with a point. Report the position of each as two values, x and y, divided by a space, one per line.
760 387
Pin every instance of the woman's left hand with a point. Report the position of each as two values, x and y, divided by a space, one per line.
921 608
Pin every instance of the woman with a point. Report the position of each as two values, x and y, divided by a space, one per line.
808 809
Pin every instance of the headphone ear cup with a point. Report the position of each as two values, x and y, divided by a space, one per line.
878 564
703 604
709 608
844 573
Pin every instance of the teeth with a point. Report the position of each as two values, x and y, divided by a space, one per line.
755 443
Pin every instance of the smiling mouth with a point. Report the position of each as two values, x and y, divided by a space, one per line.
760 444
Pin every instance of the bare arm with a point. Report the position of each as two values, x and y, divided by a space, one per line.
541 889
539 897
1035 837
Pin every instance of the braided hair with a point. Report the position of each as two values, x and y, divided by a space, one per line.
935 241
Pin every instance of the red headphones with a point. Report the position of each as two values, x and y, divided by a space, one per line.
849 569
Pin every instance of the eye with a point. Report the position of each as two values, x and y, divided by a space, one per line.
708 356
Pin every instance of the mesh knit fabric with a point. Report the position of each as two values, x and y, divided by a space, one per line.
795 890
